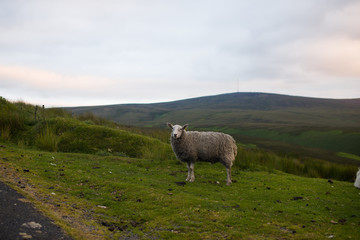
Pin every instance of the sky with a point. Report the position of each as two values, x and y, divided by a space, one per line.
82 53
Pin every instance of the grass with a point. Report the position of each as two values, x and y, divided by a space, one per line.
103 180
252 158
118 197
350 156
320 124
47 140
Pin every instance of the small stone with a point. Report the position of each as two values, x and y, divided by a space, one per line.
180 183
25 235
33 225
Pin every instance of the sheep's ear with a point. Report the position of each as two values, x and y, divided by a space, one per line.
185 126
170 125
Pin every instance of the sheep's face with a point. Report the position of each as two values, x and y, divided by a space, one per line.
177 130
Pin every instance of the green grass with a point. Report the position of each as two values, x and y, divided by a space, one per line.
119 197
321 125
350 156
129 184
334 140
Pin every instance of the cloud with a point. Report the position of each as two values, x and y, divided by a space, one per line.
144 51
45 80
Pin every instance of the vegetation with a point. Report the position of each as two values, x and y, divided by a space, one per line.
270 121
111 197
98 179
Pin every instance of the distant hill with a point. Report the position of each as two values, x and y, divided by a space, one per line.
236 109
274 121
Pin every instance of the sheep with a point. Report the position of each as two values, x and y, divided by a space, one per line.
192 146
357 181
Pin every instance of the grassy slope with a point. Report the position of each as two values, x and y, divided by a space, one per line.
308 122
145 199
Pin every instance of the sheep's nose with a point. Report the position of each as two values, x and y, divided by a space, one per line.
175 134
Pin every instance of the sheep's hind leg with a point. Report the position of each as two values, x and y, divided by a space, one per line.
191 175
189 172
228 172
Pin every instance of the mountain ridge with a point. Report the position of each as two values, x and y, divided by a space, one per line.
233 96
250 104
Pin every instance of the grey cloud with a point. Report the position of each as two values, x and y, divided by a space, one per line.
265 45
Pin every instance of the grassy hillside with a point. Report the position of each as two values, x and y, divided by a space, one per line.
56 130
111 197
277 122
236 109
101 180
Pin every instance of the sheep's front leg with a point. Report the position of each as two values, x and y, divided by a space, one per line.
228 172
191 175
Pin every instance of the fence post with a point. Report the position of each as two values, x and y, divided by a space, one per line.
36 108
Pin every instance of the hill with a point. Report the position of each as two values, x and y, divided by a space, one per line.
97 179
245 107
322 128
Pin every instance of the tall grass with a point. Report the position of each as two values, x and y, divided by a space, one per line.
47 140
254 159
12 118
5 132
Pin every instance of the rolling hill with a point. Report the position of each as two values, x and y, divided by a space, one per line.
236 109
279 122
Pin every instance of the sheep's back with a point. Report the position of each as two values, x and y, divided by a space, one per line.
211 146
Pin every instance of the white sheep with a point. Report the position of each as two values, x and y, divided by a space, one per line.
357 181
192 146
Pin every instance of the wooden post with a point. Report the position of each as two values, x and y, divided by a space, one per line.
36 108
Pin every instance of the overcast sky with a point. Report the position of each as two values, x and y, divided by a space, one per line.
72 53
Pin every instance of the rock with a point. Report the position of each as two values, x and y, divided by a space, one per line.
342 221
297 198
33 225
180 183
25 235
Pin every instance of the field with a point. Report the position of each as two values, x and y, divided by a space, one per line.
101 180
96 197
279 123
